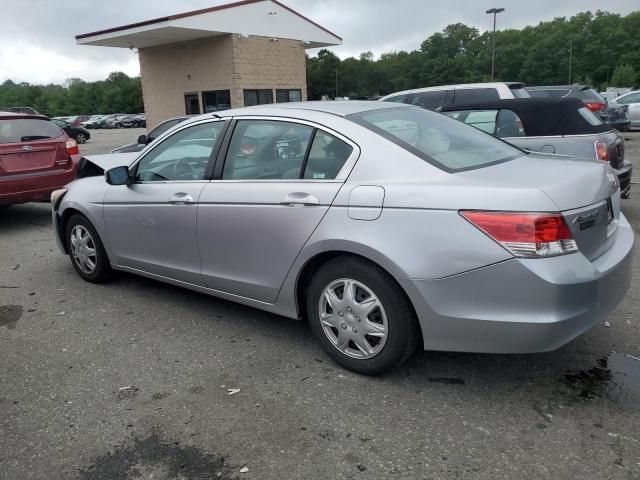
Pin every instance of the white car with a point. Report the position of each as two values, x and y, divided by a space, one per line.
433 98
632 99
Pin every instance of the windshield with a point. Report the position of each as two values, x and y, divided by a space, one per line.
437 139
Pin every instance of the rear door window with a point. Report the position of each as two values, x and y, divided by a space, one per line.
327 156
18 130
266 150
470 95
429 100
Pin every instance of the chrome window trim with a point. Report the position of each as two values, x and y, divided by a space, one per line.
342 175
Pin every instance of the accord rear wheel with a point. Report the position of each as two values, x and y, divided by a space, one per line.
81 138
86 251
361 316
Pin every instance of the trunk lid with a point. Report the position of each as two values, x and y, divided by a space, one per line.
34 157
582 189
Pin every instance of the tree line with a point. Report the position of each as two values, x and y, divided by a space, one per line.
601 49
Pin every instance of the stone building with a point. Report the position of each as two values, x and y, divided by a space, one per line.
244 53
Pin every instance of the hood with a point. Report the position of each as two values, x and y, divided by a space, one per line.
112 160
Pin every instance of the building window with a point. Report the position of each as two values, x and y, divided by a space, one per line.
257 97
192 103
284 96
215 100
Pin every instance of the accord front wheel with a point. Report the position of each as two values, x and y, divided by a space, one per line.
86 251
361 316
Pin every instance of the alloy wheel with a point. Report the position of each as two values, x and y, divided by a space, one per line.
353 318
83 249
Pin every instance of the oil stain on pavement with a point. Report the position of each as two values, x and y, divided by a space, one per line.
9 315
615 377
154 458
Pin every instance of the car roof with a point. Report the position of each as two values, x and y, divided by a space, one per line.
460 86
541 116
5 115
340 108
575 86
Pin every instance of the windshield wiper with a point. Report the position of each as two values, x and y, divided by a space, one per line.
28 138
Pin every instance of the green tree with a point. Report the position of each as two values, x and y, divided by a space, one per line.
624 76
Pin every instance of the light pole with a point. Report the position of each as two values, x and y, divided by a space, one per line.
495 12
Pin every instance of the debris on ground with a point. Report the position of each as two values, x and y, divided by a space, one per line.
233 391
244 469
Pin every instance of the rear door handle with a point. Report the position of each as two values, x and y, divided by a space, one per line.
300 198
181 198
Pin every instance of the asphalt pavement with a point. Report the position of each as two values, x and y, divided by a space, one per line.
137 379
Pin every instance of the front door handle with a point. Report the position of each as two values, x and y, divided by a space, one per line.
300 198
181 198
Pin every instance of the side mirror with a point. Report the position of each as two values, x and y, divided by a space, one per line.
142 139
118 176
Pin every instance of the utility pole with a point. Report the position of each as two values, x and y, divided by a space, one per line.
336 95
495 12
570 60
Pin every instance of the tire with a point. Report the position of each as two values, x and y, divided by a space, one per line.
102 268
81 138
390 345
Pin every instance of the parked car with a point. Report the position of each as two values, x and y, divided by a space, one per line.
80 134
462 242
27 110
91 121
36 158
591 99
558 126
114 121
432 98
144 140
632 100
618 116
134 121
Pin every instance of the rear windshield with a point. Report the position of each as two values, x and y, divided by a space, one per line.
17 130
437 139
589 95
520 93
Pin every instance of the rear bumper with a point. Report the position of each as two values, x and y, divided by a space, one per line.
523 306
34 188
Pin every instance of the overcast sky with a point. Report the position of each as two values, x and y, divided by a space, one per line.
37 42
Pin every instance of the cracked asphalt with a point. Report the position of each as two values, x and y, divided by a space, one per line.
132 379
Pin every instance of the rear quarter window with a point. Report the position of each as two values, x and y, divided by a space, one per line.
18 130
396 99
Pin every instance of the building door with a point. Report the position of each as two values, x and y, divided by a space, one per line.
192 103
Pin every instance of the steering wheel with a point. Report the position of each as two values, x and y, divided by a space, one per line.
180 172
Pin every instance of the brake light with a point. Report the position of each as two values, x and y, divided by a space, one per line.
532 235
72 147
601 151
594 106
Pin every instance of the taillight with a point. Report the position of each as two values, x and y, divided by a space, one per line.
532 235
601 151
594 106
72 147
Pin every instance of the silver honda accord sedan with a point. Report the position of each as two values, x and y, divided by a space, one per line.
386 226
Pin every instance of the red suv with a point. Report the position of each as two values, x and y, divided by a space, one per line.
36 158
